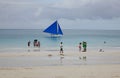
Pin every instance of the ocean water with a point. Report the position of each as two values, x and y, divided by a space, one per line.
16 39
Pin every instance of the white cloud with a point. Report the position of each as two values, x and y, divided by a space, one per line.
84 9
36 12
69 9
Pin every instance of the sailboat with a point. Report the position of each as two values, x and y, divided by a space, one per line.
54 29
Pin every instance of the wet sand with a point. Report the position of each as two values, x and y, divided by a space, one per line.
66 70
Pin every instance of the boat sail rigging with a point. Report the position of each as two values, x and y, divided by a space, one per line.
54 29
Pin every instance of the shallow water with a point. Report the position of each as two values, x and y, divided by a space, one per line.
16 39
29 61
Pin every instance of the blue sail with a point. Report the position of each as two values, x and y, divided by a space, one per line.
54 29
59 30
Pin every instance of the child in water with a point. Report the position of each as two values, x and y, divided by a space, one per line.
80 46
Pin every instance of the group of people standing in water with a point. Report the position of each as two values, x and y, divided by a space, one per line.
36 43
81 46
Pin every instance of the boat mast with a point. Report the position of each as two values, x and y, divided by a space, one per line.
57 28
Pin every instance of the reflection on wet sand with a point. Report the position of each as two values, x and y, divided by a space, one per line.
61 59
83 58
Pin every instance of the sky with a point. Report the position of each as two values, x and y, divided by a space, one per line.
71 14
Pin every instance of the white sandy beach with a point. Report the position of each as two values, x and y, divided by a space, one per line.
62 71
87 71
